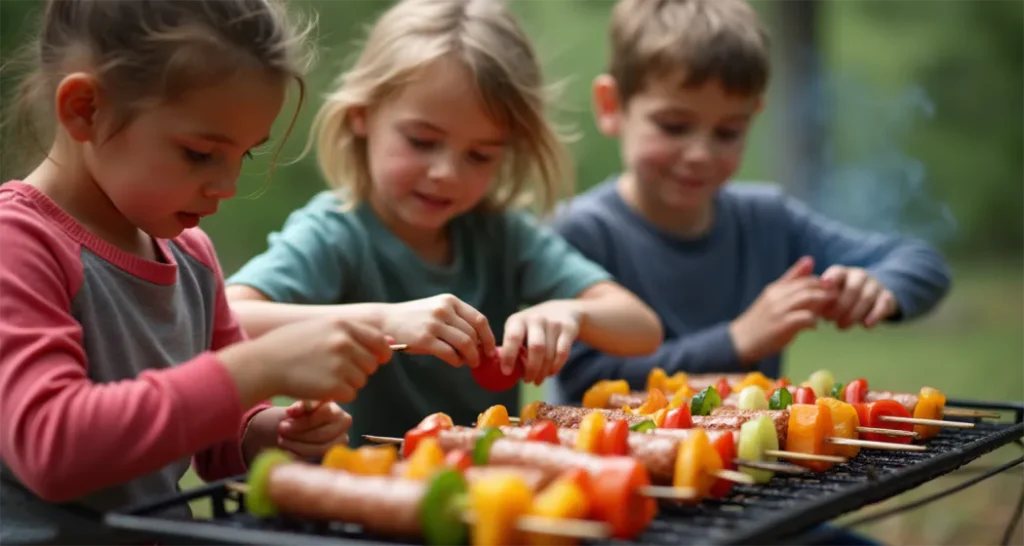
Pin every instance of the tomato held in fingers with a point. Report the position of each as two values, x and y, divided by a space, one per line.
489 376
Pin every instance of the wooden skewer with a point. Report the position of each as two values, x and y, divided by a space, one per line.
795 455
734 476
577 528
958 412
382 439
929 422
875 445
772 467
888 431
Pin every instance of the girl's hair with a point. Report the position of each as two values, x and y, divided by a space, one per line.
488 40
145 52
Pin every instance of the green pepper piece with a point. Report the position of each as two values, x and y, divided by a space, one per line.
705 401
643 426
257 498
837 391
781 399
482 446
441 509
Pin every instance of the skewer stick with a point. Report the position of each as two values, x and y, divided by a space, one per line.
309 406
929 422
734 476
957 412
875 445
795 455
577 528
772 467
888 431
668 492
382 439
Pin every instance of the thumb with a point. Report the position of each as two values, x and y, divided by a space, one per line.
803 267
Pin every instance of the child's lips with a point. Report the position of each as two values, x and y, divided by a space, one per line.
436 202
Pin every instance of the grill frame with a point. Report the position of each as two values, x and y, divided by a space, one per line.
771 526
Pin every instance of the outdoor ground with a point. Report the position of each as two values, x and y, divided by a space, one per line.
973 347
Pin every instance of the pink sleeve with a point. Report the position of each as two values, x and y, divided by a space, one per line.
59 431
225 458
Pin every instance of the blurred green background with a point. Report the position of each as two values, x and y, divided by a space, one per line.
923 108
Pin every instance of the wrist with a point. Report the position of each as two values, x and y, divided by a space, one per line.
247 366
742 343
261 432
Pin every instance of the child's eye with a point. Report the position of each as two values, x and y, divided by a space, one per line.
196 157
728 135
478 157
419 144
674 128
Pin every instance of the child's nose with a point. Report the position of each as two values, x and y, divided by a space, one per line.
443 167
222 188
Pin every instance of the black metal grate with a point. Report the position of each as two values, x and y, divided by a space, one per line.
758 514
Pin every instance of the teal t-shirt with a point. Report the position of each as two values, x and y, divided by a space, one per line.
501 262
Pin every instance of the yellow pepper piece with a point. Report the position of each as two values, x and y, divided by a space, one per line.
930 403
676 382
339 458
754 378
681 397
655 401
496 504
696 461
844 424
495 416
376 460
598 395
427 459
529 411
563 499
659 416
588 439
657 380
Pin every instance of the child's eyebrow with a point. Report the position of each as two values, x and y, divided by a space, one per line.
430 126
224 139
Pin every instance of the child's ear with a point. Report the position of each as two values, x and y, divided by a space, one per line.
357 120
78 102
607 107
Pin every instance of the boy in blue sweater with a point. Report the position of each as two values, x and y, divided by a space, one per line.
734 271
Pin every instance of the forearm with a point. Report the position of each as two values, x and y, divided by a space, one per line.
917 276
260 317
615 322
257 431
706 351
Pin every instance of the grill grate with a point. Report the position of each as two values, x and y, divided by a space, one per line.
752 514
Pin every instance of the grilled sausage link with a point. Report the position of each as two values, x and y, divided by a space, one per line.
570 416
381 504
908 401
535 479
730 418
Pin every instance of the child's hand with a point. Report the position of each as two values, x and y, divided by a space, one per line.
315 360
549 330
862 299
310 435
785 307
443 326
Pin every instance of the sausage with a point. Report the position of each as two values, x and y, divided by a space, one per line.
381 504
570 416
729 418
535 479
908 401
634 400
552 459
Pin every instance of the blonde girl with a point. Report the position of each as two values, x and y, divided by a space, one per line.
427 143
121 362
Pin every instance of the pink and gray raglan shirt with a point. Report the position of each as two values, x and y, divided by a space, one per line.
109 384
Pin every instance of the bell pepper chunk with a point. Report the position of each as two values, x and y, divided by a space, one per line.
495 416
440 509
458 459
497 503
614 438
804 395
543 431
425 461
482 445
930 405
754 378
781 399
529 411
855 392
678 418
655 401
809 427
588 438
725 446
616 498
562 499
598 395
722 386
844 424
413 438
696 460
871 413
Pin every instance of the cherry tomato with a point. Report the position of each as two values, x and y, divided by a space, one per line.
440 420
488 374
881 408
459 459
804 395
414 436
615 440
855 391
781 382
722 386
543 431
678 418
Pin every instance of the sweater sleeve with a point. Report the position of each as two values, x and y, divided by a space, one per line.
223 459
913 270
60 431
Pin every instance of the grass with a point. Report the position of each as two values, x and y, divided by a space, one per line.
971 347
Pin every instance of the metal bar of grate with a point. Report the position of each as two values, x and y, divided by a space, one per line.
752 514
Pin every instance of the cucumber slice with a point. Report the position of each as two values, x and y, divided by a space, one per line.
821 382
441 509
257 499
482 446
752 397
757 436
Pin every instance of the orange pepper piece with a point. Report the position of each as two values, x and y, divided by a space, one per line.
809 427
591 431
427 459
529 411
844 424
930 403
696 460
598 395
495 416
615 494
497 502
562 499
657 380
339 458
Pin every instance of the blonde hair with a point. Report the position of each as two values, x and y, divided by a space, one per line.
700 40
487 39
150 52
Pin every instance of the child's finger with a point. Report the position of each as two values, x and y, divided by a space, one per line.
563 347
479 325
882 307
536 350
515 335
863 306
835 275
309 450
325 433
300 408
464 344
802 267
